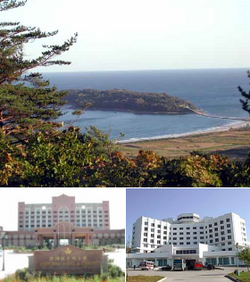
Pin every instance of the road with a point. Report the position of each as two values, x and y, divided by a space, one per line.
13 262
188 276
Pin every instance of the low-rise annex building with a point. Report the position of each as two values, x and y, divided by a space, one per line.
64 219
211 240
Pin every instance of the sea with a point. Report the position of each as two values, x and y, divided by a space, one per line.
214 91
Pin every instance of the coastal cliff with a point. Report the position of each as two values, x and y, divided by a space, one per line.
129 101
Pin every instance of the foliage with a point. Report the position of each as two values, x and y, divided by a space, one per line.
70 158
25 109
246 95
244 255
125 100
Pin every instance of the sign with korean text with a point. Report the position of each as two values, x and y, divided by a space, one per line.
68 260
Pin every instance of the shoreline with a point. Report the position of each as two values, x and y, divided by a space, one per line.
225 128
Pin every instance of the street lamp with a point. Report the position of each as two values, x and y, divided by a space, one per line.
3 237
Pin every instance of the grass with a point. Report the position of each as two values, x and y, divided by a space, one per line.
243 277
234 143
142 278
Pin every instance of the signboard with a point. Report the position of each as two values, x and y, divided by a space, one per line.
68 260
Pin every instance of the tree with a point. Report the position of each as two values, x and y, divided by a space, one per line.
244 255
27 104
245 103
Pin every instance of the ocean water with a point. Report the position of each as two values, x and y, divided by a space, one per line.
214 91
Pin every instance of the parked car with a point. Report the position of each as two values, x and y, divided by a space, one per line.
210 266
166 267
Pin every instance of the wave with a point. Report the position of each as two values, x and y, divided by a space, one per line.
197 132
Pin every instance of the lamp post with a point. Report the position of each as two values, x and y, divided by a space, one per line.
3 237
237 257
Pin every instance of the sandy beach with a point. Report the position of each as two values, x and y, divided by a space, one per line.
232 140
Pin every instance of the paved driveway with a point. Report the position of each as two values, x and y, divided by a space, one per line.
187 276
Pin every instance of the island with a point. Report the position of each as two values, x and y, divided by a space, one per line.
129 101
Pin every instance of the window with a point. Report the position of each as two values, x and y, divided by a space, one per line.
216 224
152 230
229 237
159 226
145 234
146 223
228 219
216 234
222 221
152 224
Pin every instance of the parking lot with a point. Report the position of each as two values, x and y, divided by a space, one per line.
188 276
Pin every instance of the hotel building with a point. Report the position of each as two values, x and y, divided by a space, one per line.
212 240
64 219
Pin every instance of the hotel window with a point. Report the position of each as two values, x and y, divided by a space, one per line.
216 229
181 238
181 228
222 221
229 243
187 228
152 235
201 227
222 233
201 232
145 234
216 234
145 240
158 231
145 229
210 225
152 230
215 224
188 238
159 226
230 249
158 236
229 237
151 241
228 225
188 243
165 227
195 238
194 233
158 242
152 224
222 238
146 223
222 227
228 219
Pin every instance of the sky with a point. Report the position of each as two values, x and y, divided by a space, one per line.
169 203
142 34
9 198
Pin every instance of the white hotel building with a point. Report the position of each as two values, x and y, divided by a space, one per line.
211 240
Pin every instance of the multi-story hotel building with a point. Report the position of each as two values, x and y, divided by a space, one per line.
212 240
64 219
